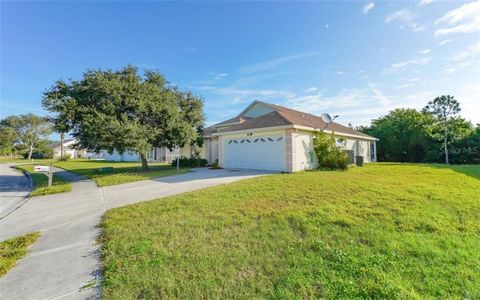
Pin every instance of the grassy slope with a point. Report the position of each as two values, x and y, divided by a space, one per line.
123 172
40 183
384 231
14 249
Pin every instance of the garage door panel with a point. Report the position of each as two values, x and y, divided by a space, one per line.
262 153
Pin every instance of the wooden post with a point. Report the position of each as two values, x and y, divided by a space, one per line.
50 175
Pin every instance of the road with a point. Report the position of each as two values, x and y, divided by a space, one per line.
14 189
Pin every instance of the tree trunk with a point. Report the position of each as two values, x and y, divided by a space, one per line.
143 158
446 148
30 151
62 138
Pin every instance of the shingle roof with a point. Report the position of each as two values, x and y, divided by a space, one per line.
281 116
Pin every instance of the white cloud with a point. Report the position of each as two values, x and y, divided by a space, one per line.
270 64
378 95
406 18
368 7
219 76
457 67
327 26
340 73
238 95
311 90
403 86
464 19
401 66
425 51
444 42
468 53
424 2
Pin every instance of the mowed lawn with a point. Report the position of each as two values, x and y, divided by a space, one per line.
384 231
111 172
40 182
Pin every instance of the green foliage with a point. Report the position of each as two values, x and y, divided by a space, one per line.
29 129
444 109
40 183
404 135
8 137
466 150
192 162
329 156
384 231
119 110
12 250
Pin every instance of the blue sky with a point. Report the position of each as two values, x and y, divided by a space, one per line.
358 59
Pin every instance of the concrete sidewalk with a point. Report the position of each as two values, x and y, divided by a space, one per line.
64 263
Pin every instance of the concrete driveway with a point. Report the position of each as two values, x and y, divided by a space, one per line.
64 263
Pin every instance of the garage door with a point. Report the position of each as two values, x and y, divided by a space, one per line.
259 152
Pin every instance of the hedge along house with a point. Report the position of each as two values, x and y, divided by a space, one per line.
265 136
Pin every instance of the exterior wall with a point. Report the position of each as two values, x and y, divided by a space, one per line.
257 110
305 158
116 156
359 147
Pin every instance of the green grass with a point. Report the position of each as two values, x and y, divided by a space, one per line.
14 249
40 182
384 231
122 172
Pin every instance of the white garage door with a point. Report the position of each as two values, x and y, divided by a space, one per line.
258 152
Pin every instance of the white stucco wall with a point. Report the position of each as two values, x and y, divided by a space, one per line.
115 156
305 158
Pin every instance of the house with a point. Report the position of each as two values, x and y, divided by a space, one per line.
68 150
266 136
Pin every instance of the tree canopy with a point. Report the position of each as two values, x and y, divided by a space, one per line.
408 135
29 130
120 110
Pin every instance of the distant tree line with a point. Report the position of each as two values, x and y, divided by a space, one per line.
434 134
25 135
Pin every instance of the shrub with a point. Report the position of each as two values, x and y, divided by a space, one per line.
64 158
329 155
215 165
191 162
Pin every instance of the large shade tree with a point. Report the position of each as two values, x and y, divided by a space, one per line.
120 110
30 130
444 109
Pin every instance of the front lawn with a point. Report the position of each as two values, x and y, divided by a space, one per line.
110 172
40 182
384 231
14 249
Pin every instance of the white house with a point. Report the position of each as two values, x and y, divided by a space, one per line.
270 137
68 149
265 136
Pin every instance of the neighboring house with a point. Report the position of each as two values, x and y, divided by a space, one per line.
68 149
270 137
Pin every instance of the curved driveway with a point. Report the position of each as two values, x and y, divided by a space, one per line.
64 263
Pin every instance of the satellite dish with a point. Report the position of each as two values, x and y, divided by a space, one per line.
326 118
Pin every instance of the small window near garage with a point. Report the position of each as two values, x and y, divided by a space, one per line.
270 139
263 140
279 139
242 141
255 140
